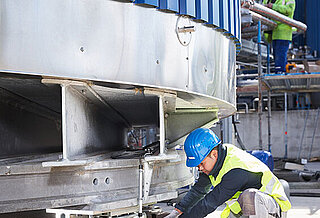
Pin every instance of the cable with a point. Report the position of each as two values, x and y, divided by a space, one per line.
237 134
137 153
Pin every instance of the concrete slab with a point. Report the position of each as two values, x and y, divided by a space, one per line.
302 207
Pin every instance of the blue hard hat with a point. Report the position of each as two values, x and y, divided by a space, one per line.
198 145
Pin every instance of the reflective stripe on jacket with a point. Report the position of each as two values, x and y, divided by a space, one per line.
237 158
285 7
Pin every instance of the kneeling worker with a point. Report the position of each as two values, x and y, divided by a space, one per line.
240 180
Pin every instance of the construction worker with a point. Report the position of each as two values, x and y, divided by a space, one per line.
240 180
282 34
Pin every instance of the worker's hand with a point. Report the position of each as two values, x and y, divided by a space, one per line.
269 5
174 213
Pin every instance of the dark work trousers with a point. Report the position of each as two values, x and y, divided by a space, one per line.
256 204
280 49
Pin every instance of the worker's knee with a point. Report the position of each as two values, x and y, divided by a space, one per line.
247 195
253 202
247 201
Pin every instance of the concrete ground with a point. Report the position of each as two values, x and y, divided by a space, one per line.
302 207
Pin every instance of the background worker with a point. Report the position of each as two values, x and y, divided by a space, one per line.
282 34
239 179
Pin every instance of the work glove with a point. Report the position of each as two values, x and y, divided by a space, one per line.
173 214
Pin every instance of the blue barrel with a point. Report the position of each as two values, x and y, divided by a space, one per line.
264 156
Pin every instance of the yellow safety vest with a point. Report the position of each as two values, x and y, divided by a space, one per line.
282 31
237 158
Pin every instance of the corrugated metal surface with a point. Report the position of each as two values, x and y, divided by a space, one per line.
313 18
202 10
224 22
188 7
214 12
307 11
171 5
231 16
148 2
237 18
222 14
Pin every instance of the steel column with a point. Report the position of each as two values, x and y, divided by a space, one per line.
285 125
259 85
140 188
269 121
161 126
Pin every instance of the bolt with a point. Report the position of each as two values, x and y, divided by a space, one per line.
166 115
81 49
157 61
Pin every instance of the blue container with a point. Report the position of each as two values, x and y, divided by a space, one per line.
214 12
171 5
202 10
263 156
224 15
187 7
154 3
308 13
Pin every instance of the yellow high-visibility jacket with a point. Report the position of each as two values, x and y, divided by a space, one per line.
285 7
237 158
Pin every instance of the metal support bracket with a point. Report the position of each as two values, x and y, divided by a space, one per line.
148 170
83 116
111 208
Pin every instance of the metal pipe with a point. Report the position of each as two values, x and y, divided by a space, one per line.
161 125
246 105
285 126
269 13
269 100
247 75
259 85
302 136
248 35
64 122
140 189
268 58
248 64
269 121
314 132
254 29
265 21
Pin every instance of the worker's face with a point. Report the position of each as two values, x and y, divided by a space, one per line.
208 163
